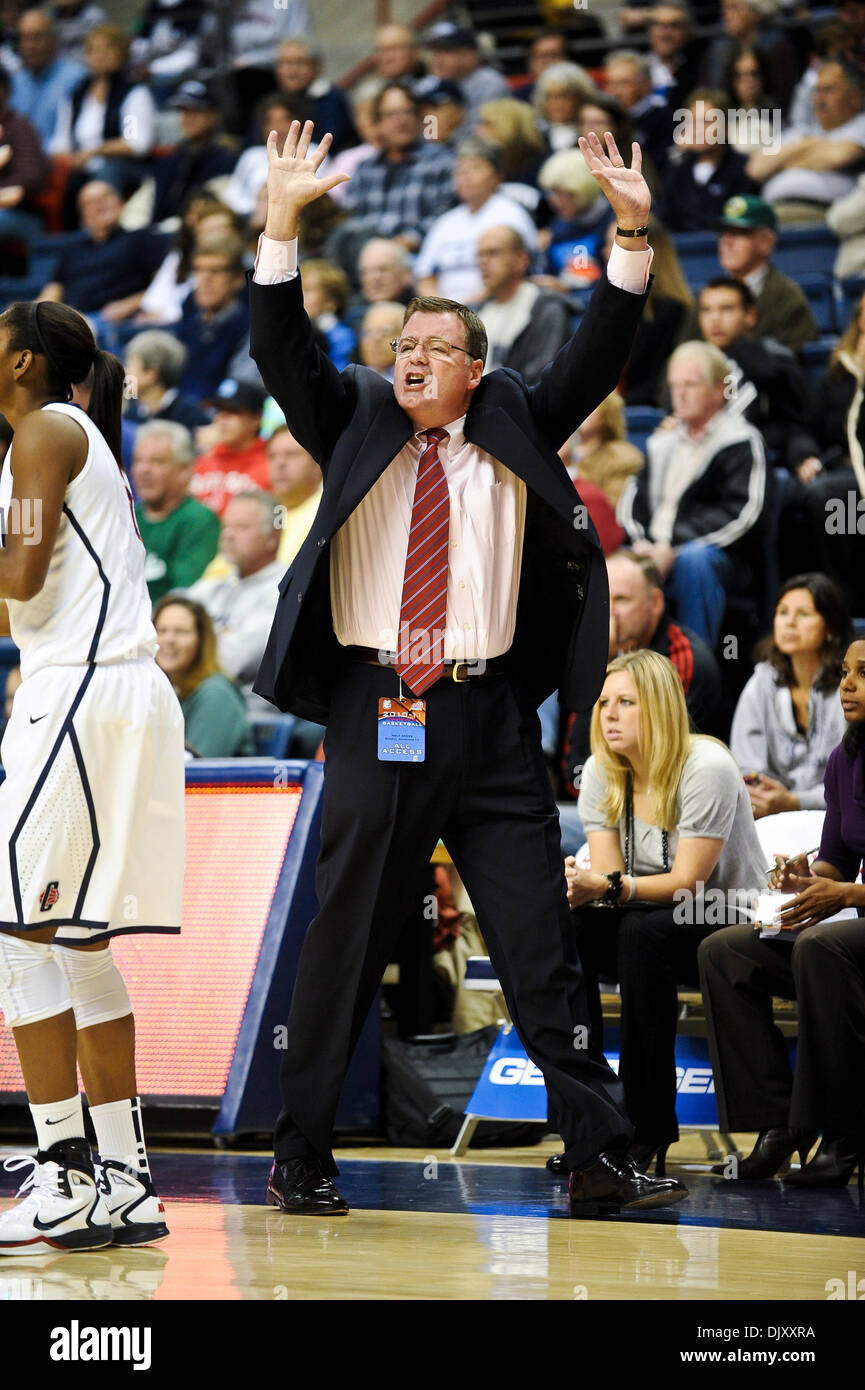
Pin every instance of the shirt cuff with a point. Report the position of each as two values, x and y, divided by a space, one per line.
275 262
627 270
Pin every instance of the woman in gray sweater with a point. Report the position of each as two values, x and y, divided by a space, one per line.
788 718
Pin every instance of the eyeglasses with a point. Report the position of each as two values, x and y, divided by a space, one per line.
432 347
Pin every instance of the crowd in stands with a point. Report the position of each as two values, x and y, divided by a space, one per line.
133 187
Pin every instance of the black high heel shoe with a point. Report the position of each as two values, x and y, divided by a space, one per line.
642 1152
833 1163
773 1150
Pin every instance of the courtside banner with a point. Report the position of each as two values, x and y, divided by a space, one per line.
512 1088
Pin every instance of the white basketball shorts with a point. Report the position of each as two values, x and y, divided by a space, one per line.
92 808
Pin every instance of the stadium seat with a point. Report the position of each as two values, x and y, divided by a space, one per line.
805 250
847 293
272 736
820 292
815 357
640 421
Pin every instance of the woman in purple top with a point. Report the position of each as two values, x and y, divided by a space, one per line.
822 966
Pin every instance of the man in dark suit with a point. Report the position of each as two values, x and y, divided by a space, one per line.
448 563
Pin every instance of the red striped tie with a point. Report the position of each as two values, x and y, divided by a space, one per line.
423 612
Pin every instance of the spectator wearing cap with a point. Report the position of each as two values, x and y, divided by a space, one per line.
240 604
23 170
380 327
237 462
805 171
167 45
108 124
215 317
448 263
108 270
746 240
400 191
455 55
180 535
442 109
298 73
200 155
703 171
295 481
45 78
155 362
525 325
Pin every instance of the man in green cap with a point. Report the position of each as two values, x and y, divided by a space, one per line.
747 235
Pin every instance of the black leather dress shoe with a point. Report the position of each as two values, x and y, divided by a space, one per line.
556 1164
299 1187
613 1184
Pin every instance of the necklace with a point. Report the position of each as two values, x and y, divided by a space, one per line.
629 831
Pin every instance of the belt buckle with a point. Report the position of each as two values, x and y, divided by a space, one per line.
459 680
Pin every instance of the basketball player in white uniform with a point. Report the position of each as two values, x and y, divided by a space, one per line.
91 811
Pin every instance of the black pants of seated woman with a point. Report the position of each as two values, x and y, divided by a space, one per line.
651 954
823 969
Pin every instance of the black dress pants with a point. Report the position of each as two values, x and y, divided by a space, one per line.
483 788
650 953
824 971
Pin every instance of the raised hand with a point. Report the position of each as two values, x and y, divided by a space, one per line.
292 178
626 189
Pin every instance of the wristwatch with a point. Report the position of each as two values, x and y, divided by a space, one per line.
631 231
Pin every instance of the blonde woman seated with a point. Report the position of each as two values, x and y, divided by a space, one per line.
674 856
599 451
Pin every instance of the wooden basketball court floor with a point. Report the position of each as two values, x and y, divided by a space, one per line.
490 1226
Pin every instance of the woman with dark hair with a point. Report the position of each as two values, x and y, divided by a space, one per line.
788 718
92 804
818 962
214 710
747 82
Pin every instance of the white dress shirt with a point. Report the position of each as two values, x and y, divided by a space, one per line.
487 521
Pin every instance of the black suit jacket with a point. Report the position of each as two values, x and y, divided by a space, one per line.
350 422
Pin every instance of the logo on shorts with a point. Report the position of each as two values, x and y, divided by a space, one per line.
50 896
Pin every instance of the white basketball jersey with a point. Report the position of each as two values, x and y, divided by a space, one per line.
94 605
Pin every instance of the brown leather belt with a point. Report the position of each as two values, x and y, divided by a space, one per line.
458 671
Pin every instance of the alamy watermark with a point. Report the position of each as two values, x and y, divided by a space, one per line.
713 125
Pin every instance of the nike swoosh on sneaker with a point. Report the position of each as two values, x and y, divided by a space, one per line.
59 1220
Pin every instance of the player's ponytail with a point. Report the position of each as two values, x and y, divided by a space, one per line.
106 399
65 339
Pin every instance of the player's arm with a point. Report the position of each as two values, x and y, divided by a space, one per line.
49 450
5 627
